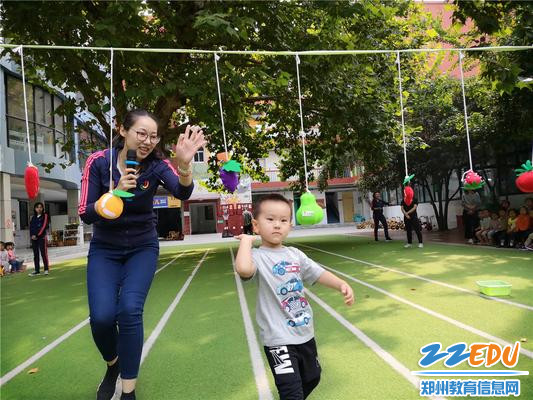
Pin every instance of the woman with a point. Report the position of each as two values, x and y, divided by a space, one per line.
471 203
411 221
123 252
38 226
377 213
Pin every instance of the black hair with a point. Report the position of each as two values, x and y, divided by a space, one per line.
35 207
269 197
374 194
130 119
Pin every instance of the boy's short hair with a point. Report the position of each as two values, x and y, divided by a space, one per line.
269 197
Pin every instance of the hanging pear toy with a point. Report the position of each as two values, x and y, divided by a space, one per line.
310 212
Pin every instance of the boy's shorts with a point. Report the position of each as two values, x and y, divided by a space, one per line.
296 368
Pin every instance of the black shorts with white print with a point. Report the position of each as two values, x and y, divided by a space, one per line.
295 368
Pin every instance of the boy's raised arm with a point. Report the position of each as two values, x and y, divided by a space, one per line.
244 264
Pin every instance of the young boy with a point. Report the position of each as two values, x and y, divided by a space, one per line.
283 314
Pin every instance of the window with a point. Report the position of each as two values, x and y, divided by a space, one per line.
24 217
16 120
199 156
46 129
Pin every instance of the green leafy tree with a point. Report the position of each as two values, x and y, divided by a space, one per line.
349 99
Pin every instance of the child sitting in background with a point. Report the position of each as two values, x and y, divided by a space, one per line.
522 228
528 244
511 226
4 260
496 228
16 265
484 227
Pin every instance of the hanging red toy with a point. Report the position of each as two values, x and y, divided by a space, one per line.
472 181
524 180
408 192
31 180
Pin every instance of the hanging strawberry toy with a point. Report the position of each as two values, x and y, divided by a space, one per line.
472 181
524 180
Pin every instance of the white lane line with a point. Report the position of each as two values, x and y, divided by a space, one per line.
375 347
504 301
452 321
261 380
21 367
166 316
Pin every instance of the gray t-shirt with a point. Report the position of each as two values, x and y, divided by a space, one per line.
283 313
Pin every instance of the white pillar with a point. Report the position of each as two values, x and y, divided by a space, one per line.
6 223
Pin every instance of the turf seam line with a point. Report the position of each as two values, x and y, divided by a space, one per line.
21 367
508 302
261 380
375 347
452 321
166 316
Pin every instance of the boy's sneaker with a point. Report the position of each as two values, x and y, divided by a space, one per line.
420 245
470 241
106 390
388 240
46 272
128 396
511 243
34 273
408 245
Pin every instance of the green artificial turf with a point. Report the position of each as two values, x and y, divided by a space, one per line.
203 353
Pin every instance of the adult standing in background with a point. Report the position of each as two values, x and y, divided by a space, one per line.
471 203
377 213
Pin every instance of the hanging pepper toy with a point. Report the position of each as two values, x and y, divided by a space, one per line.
31 180
408 192
524 180
472 181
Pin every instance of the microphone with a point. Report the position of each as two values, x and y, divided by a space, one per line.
131 162
131 159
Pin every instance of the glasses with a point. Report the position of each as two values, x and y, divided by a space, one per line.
141 137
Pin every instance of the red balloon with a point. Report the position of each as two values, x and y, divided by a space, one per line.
31 181
408 195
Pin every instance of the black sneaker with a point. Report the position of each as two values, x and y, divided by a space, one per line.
128 396
388 240
34 273
106 390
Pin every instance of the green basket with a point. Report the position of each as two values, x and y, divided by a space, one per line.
495 288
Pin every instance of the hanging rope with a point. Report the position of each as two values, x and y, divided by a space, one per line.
465 110
111 127
401 112
217 57
302 132
270 52
20 50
